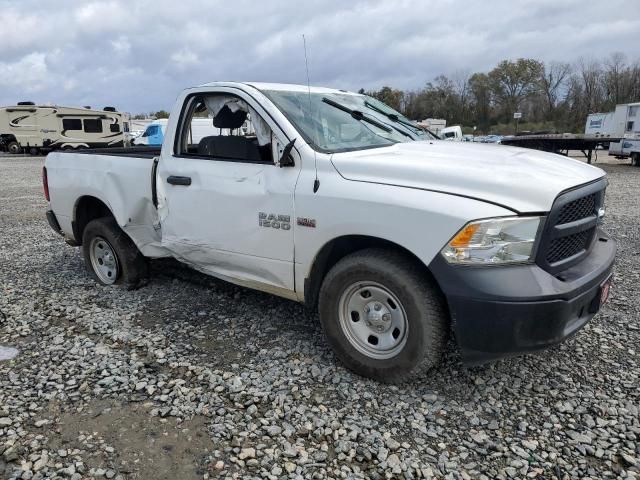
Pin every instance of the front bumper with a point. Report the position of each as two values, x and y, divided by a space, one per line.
499 311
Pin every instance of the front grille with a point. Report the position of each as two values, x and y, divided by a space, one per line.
565 247
570 227
577 209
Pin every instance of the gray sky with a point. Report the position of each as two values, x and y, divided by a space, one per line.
137 55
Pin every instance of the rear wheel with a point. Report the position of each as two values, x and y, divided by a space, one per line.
383 317
14 147
635 159
111 256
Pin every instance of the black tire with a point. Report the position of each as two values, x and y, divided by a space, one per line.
133 267
426 317
635 159
14 148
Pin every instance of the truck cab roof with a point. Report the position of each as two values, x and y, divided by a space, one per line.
289 87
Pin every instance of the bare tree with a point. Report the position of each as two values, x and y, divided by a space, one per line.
590 75
614 77
462 91
553 84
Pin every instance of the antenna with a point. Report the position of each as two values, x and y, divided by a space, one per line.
316 182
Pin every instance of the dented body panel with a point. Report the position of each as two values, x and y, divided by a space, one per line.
123 184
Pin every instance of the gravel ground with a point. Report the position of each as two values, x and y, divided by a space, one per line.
189 377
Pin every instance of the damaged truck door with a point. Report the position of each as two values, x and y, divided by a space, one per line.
234 216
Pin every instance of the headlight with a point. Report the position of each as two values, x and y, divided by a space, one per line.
494 241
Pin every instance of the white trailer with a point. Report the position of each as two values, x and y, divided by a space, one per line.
600 124
27 127
623 124
627 128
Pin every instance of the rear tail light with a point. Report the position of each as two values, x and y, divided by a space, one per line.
45 184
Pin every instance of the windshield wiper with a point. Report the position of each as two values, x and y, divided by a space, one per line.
402 132
391 116
357 114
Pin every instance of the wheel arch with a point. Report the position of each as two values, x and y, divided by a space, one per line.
87 208
8 137
338 248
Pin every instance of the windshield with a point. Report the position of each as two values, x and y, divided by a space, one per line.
338 122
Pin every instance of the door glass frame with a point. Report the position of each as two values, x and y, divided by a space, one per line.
187 106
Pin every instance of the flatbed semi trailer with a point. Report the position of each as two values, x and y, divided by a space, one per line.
561 143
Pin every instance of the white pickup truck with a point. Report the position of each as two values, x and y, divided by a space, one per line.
338 201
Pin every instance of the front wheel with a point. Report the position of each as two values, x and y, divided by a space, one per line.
383 317
111 256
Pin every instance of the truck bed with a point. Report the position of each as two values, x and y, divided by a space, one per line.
120 178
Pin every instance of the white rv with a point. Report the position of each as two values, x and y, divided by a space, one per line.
31 128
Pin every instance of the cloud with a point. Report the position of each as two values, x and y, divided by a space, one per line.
29 74
184 59
139 55
121 45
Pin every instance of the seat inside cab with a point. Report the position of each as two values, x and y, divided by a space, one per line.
225 127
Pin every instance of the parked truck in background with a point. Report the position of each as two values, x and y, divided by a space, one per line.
629 147
452 134
30 128
396 238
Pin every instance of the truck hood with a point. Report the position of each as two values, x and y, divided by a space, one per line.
520 179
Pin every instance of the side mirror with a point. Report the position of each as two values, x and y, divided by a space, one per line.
286 160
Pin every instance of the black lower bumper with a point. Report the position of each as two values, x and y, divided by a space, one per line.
53 222
55 226
499 311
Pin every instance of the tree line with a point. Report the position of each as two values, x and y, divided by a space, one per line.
552 97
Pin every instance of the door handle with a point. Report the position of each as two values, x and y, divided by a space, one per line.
175 180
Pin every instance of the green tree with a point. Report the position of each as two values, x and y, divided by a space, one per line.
480 90
390 96
160 114
514 81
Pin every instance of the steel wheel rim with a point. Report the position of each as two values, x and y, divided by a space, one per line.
373 320
103 260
